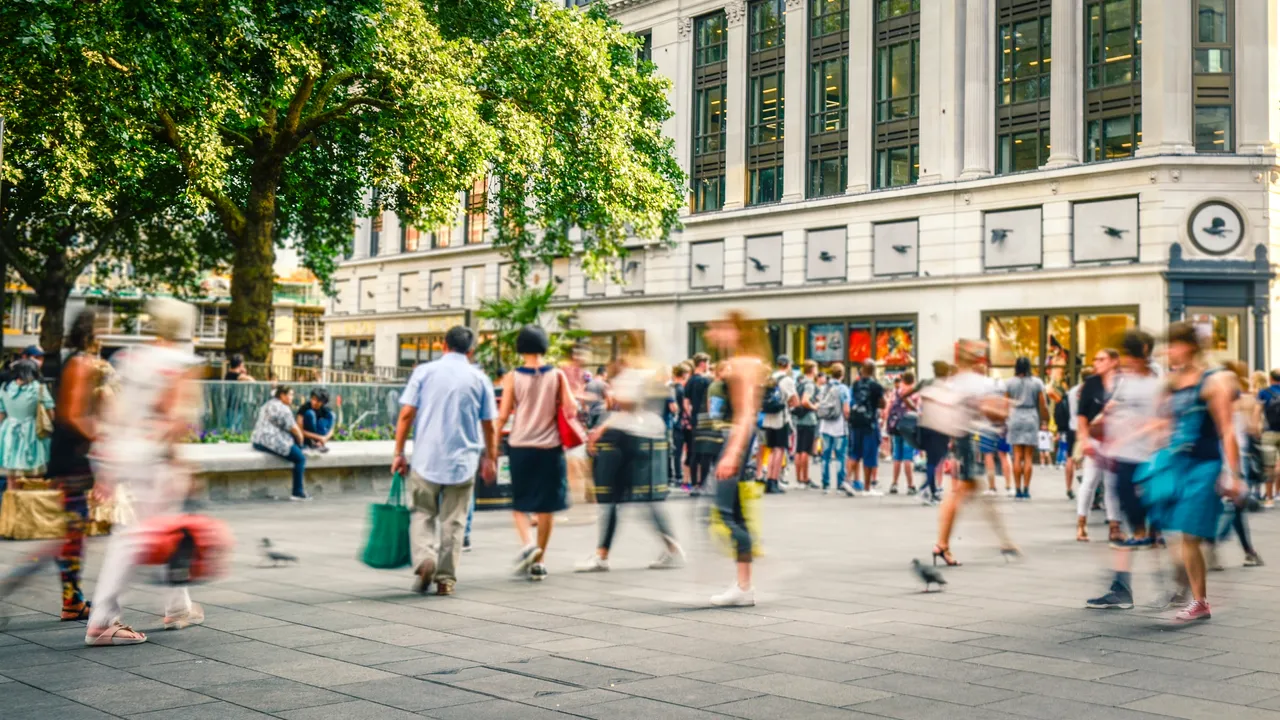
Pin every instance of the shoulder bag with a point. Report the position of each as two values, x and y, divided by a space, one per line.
572 434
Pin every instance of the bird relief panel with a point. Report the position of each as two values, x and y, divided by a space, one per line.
896 248
706 265
1215 228
825 256
632 271
507 286
1104 230
438 293
764 260
1011 239
559 275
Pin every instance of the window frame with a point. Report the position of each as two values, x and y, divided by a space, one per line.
476 212
1105 102
1019 117
710 73
828 146
1214 90
893 134
764 63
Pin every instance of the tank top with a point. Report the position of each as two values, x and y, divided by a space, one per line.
534 420
1194 430
68 448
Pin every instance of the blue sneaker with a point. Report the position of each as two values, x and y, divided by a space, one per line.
857 486
1136 543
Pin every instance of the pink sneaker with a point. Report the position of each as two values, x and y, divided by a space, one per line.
1195 610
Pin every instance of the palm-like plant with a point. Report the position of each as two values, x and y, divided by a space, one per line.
503 317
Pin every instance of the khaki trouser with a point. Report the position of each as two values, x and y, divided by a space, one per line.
432 502
1270 450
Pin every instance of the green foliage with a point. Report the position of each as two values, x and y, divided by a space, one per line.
528 306
281 119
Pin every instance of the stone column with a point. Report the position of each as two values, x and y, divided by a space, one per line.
796 101
942 56
1257 65
861 103
682 100
1166 78
1065 116
979 90
735 155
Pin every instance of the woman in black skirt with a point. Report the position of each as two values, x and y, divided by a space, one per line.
534 394
742 340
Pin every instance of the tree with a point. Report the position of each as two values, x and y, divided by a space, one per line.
285 117
504 316
79 189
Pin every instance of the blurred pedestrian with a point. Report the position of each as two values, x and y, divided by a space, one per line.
779 401
236 371
935 442
705 395
1095 391
450 406
276 432
865 403
137 450
1183 489
901 450
805 417
535 395
23 451
980 405
740 340
833 423
1269 410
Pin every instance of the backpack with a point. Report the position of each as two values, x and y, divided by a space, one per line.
1062 414
805 385
861 414
1271 411
829 404
896 411
773 402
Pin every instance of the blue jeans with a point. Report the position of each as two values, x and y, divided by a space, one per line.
836 445
312 423
299 461
864 446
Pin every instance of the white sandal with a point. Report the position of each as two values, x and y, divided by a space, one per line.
194 616
115 634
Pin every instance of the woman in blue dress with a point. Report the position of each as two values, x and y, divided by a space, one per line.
22 450
1182 480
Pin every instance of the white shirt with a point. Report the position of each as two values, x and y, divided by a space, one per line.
972 388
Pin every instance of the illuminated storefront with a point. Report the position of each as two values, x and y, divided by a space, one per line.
889 341
1059 342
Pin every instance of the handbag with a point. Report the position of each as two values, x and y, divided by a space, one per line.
572 434
44 417
387 547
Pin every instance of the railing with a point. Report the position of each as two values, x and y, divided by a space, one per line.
232 407
212 327
300 295
291 374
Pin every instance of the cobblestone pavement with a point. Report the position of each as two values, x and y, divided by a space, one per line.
841 629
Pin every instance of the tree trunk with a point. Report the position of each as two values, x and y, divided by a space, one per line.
253 277
52 294
4 296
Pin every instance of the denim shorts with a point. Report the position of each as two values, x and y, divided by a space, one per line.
903 450
864 446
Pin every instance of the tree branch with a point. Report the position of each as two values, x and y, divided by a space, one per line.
322 98
231 216
234 136
317 120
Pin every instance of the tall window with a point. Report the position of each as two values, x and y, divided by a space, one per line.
828 171
897 100
765 60
1213 80
1113 79
645 51
1022 78
409 236
375 233
709 71
477 218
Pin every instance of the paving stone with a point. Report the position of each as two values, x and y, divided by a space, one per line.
1204 669
134 696
28 654
480 650
567 701
1180 706
809 647
725 673
811 667
501 710
409 693
1049 666
809 689
642 709
24 700
365 652
961 693
773 707
511 686
686 692
1047 708
928 648
1065 688
1064 651
325 672
908 707
293 636
398 634
1203 689
271 695
251 654
1266 681
194 673
571 671
207 711
353 710
931 667
70 674
426 665
1169 651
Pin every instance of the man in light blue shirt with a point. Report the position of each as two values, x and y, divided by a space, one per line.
450 405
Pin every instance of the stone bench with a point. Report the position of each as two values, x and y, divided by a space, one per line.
235 471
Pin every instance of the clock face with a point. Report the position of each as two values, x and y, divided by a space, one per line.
1216 228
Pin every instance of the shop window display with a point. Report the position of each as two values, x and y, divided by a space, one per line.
1059 345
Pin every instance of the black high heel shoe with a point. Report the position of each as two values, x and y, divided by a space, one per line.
945 554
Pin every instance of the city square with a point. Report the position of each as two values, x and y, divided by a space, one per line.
841 628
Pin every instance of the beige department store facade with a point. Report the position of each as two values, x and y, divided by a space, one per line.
878 179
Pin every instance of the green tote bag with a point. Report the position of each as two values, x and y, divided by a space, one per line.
388 545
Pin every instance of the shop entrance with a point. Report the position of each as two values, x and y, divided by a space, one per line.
1058 342
1224 332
